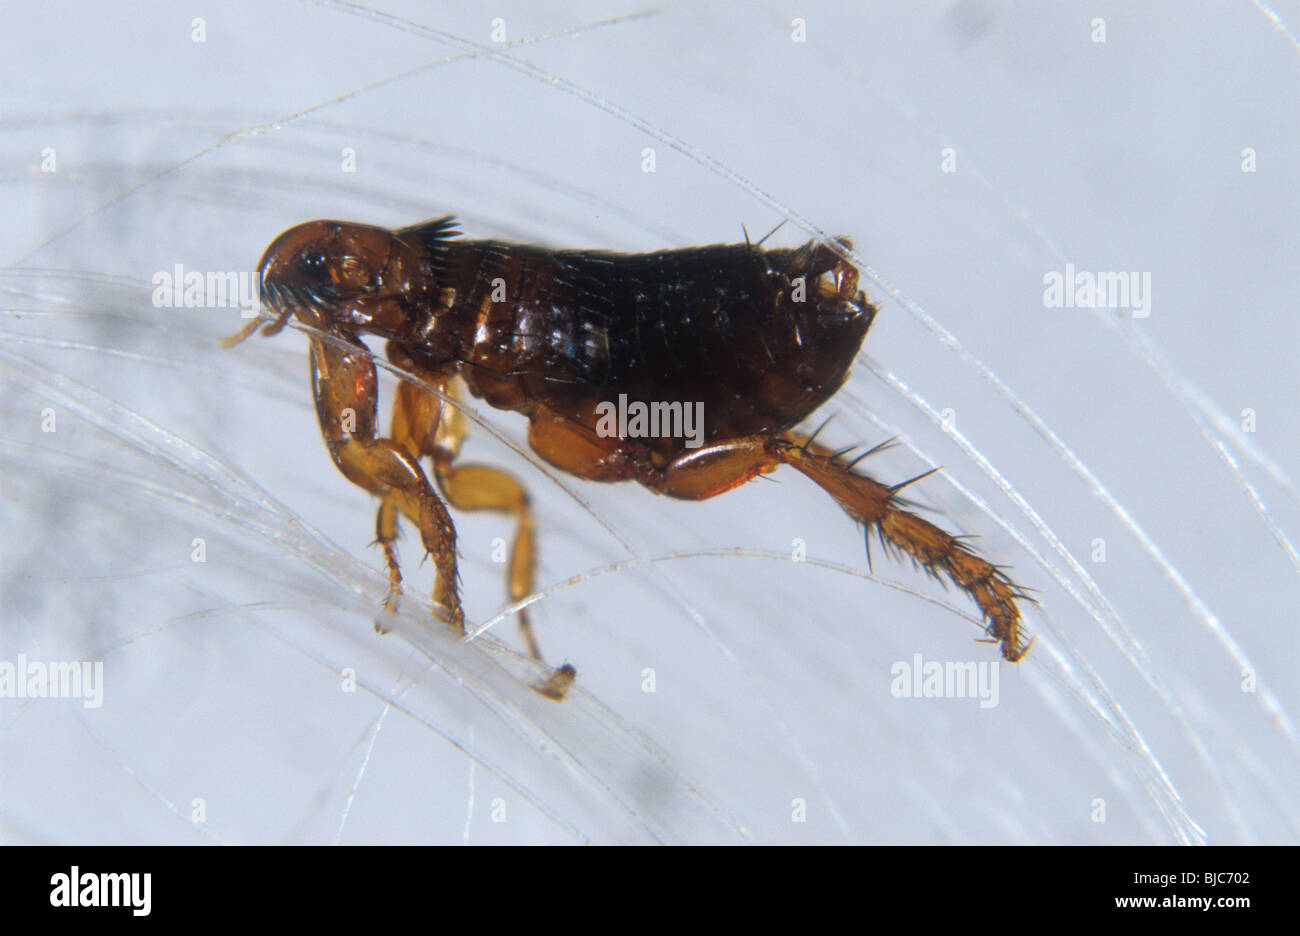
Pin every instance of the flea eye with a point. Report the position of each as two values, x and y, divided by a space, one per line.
314 266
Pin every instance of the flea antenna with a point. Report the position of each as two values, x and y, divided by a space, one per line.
237 337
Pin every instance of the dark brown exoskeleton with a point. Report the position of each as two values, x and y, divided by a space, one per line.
754 340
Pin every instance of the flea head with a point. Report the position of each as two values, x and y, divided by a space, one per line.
335 276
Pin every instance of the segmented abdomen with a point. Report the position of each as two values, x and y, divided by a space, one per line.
759 337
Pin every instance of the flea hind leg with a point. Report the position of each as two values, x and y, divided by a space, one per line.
710 471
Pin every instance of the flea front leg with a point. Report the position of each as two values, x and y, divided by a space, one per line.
344 385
